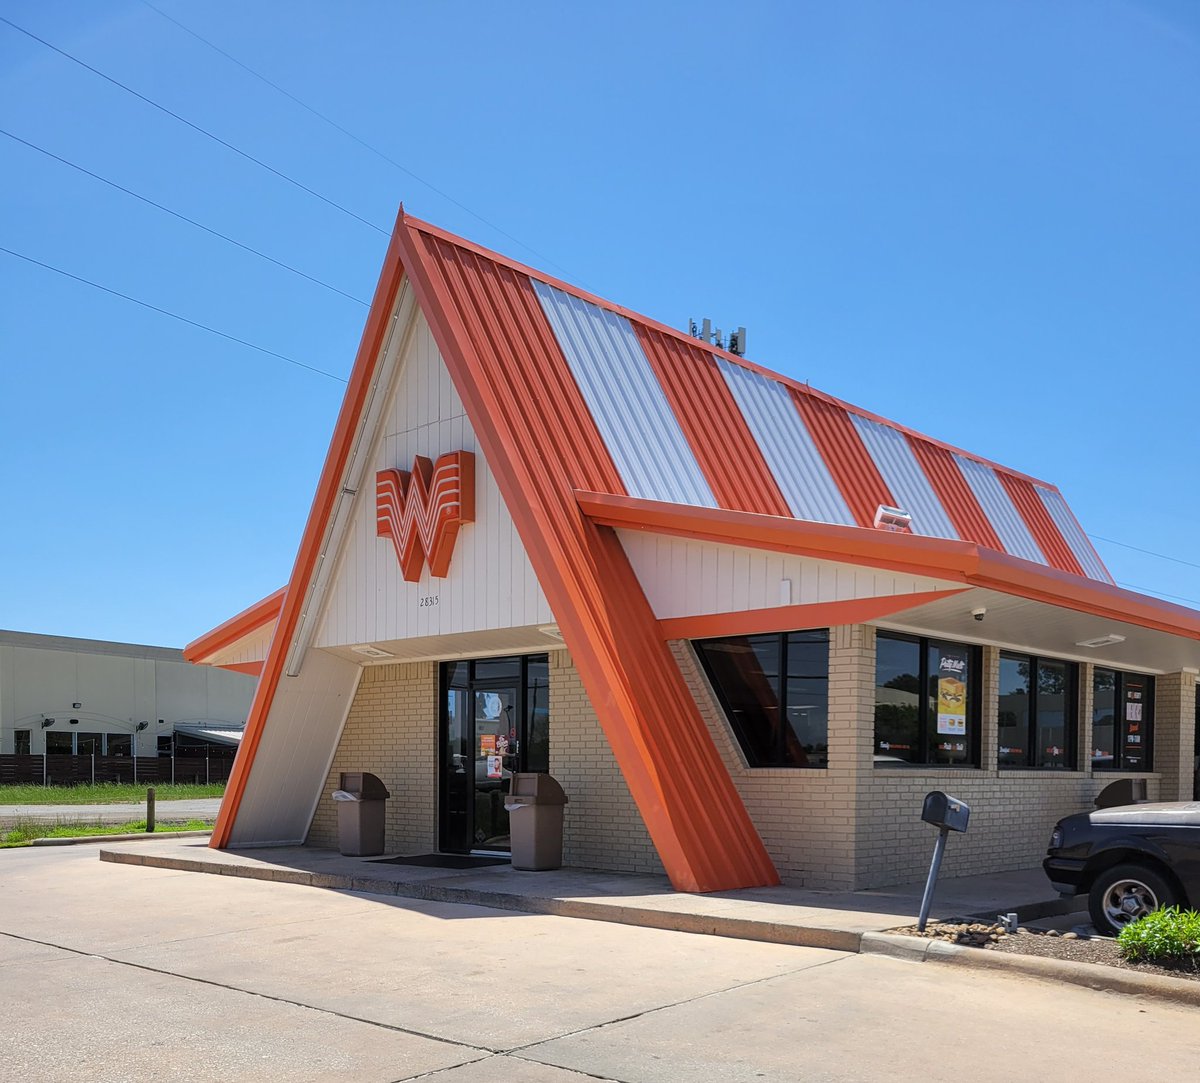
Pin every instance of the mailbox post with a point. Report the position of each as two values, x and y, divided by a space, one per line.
947 814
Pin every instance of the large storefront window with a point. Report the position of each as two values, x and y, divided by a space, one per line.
1122 720
926 702
1037 712
775 692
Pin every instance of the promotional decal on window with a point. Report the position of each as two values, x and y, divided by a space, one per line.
952 695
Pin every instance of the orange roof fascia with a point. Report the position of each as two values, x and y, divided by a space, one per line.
674 332
224 635
964 562
788 618
323 503
253 669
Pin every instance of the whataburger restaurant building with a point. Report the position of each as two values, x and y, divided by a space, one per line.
551 534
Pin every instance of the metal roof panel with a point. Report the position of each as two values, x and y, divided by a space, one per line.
1000 510
626 400
1069 528
894 457
787 445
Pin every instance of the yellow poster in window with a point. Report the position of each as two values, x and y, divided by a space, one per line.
951 707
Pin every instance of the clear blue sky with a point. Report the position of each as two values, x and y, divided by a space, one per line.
978 219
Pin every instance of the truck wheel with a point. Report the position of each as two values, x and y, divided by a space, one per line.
1125 893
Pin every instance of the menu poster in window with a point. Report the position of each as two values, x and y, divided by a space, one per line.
495 768
1134 755
952 693
487 744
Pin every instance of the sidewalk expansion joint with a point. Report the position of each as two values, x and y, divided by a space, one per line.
254 993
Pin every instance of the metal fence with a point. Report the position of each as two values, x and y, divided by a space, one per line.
57 770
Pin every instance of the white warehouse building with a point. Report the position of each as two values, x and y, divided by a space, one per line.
81 697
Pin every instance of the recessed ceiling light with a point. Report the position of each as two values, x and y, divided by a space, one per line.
1101 641
371 652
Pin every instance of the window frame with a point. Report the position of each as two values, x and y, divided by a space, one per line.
974 703
744 743
1120 731
1074 705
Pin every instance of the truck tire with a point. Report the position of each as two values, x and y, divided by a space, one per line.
1125 893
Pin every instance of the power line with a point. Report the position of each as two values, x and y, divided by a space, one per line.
350 135
182 217
194 127
1161 594
173 315
1148 552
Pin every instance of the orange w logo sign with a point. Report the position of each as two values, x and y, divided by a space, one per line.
422 511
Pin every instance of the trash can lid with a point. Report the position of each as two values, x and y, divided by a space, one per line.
537 789
343 795
364 785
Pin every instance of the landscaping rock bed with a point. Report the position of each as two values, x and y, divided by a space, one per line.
1052 944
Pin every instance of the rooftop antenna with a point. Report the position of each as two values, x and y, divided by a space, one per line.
705 333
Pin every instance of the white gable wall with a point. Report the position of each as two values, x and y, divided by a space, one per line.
686 578
491 583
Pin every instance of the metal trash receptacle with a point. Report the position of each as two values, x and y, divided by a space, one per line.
535 821
361 803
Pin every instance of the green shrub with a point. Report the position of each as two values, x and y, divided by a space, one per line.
1167 935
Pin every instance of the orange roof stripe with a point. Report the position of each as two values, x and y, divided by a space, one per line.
1051 542
717 433
849 461
969 519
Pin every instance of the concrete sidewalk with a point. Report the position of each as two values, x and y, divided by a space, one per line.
201 808
781 915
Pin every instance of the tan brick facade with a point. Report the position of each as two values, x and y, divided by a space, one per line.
851 825
603 828
392 731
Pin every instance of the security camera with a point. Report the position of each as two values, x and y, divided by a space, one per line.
979 613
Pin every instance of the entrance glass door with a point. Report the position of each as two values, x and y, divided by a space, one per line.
497 748
494 721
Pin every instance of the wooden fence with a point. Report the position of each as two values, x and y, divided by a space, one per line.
76 770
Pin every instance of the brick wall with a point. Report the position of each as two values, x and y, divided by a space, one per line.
391 731
603 828
1175 734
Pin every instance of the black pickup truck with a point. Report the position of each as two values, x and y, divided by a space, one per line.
1128 860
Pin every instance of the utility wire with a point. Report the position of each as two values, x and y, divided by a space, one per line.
182 217
350 135
1148 552
195 127
1161 594
173 315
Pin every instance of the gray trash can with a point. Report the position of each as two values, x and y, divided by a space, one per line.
535 821
361 804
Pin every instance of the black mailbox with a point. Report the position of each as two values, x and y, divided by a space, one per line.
945 811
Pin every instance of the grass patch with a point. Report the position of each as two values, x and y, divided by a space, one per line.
1168 936
23 834
106 793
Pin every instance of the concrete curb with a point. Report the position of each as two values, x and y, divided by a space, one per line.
769 932
1090 975
141 836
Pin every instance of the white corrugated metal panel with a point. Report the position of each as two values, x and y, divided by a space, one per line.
685 578
786 444
629 407
1001 511
295 751
1070 529
894 458
491 583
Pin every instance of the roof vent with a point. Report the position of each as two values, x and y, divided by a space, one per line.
894 519
372 652
737 339
1101 641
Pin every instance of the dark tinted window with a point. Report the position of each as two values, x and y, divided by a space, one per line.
1122 720
897 700
775 691
1037 712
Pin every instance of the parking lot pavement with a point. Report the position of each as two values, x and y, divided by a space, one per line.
116 972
